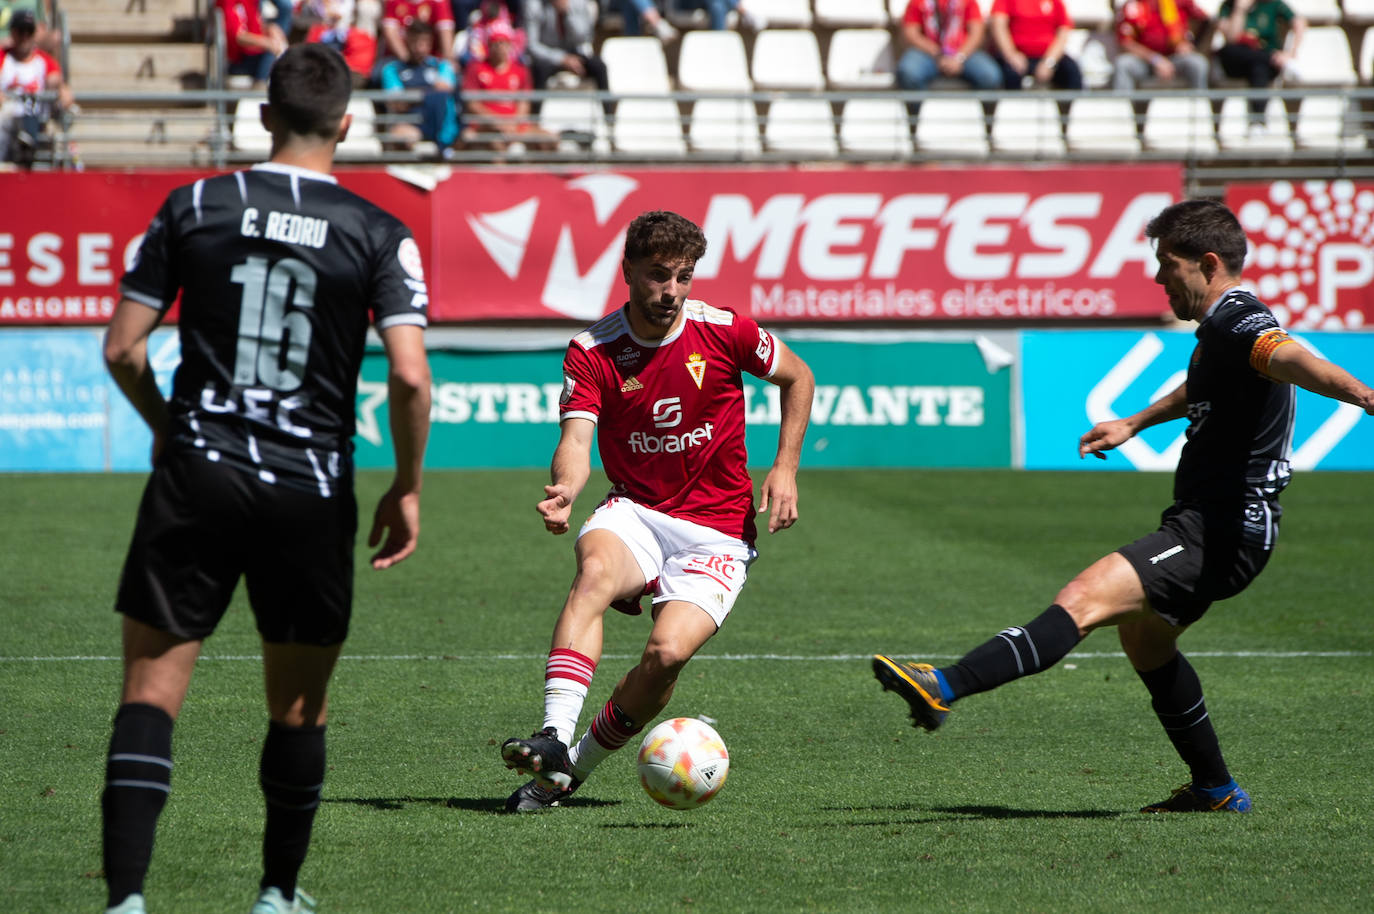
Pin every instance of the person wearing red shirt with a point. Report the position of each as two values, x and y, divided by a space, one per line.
249 46
338 31
1030 36
26 71
1156 39
500 123
945 38
397 14
658 383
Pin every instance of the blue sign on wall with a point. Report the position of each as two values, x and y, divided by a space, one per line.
1072 379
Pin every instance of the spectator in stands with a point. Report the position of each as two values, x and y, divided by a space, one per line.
250 47
420 69
397 14
500 124
1255 51
46 34
643 13
1156 39
24 72
1030 36
560 41
945 38
489 13
336 28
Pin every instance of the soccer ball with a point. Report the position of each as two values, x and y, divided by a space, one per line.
683 763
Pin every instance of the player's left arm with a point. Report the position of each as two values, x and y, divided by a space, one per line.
1292 362
797 387
126 356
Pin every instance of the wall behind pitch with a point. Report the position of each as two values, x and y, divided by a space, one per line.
1072 379
909 401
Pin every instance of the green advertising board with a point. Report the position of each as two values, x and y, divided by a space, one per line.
928 402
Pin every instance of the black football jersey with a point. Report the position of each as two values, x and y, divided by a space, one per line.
279 271
1240 422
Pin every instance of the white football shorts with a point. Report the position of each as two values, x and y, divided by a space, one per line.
692 563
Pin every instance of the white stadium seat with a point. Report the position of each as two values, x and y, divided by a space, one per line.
1327 122
1086 14
1235 131
1027 126
1180 125
875 126
635 65
249 134
1323 59
801 125
1102 126
724 126
953 127
853 13
787 59
860 59
577 113
1358 12
362 141
785 14
1317 12
713 62
649 126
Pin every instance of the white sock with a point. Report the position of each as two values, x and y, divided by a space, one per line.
567 677
610 730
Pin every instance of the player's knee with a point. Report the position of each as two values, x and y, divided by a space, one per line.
662 662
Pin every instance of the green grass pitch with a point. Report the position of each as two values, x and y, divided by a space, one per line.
1024 801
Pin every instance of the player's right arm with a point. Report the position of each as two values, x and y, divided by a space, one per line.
1106 435
126 356
408 396
572 466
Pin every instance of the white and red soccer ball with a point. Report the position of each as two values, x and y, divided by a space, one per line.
683 763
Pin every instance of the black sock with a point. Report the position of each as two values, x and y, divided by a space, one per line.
1014 652
1176 696
138 777
291 775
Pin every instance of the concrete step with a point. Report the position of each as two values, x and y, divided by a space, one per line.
131 20
136 66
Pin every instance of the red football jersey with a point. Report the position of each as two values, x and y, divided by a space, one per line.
670 413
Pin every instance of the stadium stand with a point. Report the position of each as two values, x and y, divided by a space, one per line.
816 84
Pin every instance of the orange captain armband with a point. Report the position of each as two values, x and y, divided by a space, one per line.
1265 347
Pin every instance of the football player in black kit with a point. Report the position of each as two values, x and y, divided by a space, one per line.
1213 540
279 271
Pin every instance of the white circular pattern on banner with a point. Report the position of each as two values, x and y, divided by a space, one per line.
1287 233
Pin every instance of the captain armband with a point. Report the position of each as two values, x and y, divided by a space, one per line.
1265 347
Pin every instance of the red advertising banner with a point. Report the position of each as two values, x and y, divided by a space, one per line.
784 244
1311 250
908 245
65 238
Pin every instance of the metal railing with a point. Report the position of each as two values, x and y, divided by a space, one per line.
602 128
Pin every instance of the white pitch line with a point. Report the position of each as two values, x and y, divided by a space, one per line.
809 658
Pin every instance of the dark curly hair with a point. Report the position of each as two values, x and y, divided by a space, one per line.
664 234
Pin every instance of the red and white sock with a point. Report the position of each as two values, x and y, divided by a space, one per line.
567 676
610 730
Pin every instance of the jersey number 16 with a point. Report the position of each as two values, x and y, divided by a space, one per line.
274 332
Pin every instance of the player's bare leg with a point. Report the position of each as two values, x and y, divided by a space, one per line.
680 629
138 768
606 571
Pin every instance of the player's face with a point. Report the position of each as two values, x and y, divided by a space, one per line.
658 287
1183 281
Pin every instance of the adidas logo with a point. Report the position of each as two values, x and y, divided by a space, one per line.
630 385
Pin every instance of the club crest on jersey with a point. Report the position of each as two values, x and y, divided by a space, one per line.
696 366
631 384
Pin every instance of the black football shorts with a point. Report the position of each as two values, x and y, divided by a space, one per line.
1201 553
201 526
